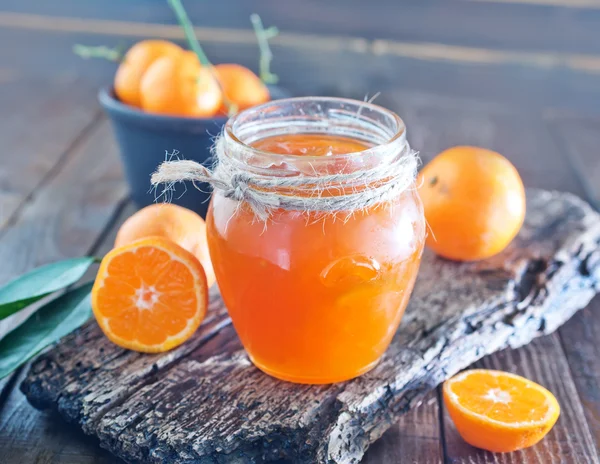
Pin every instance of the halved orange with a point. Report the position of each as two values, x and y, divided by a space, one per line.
150 295
498 411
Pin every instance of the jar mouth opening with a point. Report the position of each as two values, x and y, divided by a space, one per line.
381 129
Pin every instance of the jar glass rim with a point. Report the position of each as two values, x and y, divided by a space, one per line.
397 136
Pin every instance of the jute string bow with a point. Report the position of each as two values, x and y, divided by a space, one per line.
267 192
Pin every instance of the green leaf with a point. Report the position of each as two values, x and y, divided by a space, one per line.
39 283
47 325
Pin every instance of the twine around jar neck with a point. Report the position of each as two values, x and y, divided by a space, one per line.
265 192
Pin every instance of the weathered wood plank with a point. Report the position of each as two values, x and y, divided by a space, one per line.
580 342
529 27
31 436
336 69
570 440
40 439
534 151
36 134
415 438
194 407
42 120
579 137
435 124
65 218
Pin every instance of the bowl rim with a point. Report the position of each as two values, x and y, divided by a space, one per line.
108 100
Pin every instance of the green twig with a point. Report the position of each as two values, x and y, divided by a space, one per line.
262 36
188 30
190 35
107 53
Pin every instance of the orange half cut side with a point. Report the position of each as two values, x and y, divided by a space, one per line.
150 295
499 411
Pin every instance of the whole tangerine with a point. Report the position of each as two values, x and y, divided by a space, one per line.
134 65
180 225
474 203
180 86
241 86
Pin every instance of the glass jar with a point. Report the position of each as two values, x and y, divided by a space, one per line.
316 296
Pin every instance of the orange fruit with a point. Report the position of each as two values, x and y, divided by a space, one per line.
474 203
180 225
498 411
150 295
178 85
135 63
241 86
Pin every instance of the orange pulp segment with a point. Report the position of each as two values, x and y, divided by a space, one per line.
498 411
150 295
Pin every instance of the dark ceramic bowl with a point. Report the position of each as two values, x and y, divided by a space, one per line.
145 139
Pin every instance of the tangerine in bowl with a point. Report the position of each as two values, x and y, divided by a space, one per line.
146 139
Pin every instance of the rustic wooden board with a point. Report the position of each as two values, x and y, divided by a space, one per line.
205 402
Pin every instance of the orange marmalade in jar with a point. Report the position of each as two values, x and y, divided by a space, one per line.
316 240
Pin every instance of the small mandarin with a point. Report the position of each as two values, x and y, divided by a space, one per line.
134 65
474 203
180 86
498 411
180 225
241 86
150 295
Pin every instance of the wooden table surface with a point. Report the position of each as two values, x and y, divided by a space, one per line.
518 76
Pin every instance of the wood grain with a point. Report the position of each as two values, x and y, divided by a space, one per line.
415 438
187 405
580 342
36 135
63 219
435 124
514 26
65 216
347 71
488 104
43 119
542 361
32 436
42 438
580 137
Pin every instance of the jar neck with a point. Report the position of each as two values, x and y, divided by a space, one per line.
268 182
380 129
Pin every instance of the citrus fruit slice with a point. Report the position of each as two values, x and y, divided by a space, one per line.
498 411
150 295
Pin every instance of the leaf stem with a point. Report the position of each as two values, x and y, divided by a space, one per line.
107 53
188 30
262 36
190 35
